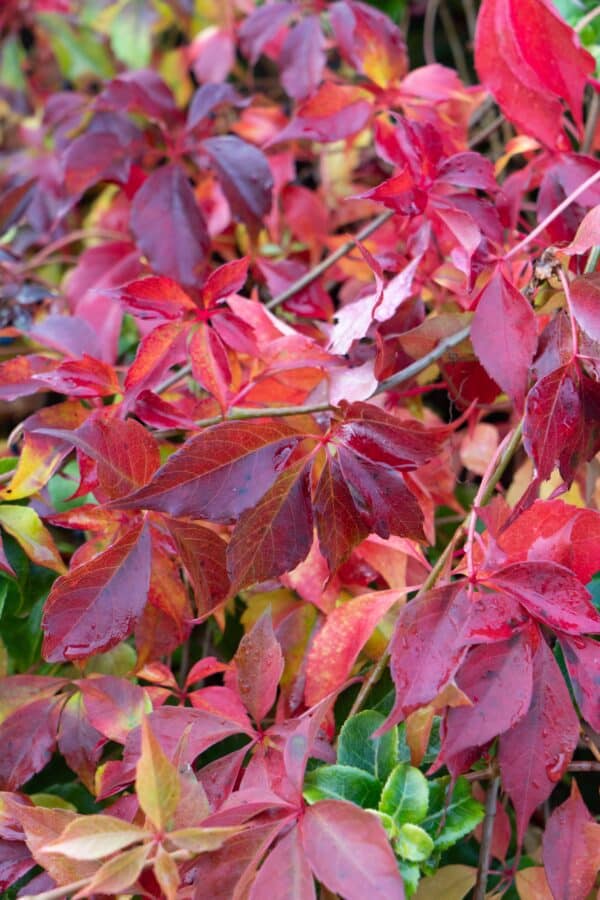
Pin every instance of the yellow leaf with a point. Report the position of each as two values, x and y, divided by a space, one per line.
449 882
93 837
24 524
202 840
167 874
156 781
117 874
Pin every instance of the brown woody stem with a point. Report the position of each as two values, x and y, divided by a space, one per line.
491 802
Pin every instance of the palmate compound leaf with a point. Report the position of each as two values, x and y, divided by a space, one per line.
535 753
96 605
157 783
285 874
582 657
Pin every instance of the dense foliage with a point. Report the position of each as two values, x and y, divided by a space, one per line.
300 372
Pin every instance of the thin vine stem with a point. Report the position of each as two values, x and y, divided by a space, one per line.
330 260
585 186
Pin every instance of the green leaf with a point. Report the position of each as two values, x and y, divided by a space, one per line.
411 874
78 52
131 33
342 783
357 748
405 796
459 817
413 843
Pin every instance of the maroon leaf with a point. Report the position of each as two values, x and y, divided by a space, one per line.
15 861
285 874
553 427
570 853
531 70
168 225
497 678
261 26
202 553
348 851
551 594
79 742
157 352
302 58
93 157
585 301
245 176
28 738
382 498
535 753
427 647
339 524
504 335
96 605
219 473
370 432
582 656
259 663
274 536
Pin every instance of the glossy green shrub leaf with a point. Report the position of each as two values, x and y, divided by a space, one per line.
460 814
342 783
413 843
357 748
405 796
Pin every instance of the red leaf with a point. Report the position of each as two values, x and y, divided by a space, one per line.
95 156
498 679
504 335
96 605
582 656
531 61
126 454
28 738
245 177
168 225
553 427
551 530
427 647
585 302
259 663
17 375
334 112
535 753
220 472
551 594
86 377
588 234
274 536
370 41
285 874
570 857
162 348
154 297
348 851
302 58
224 281
210 365
336 647
202 552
